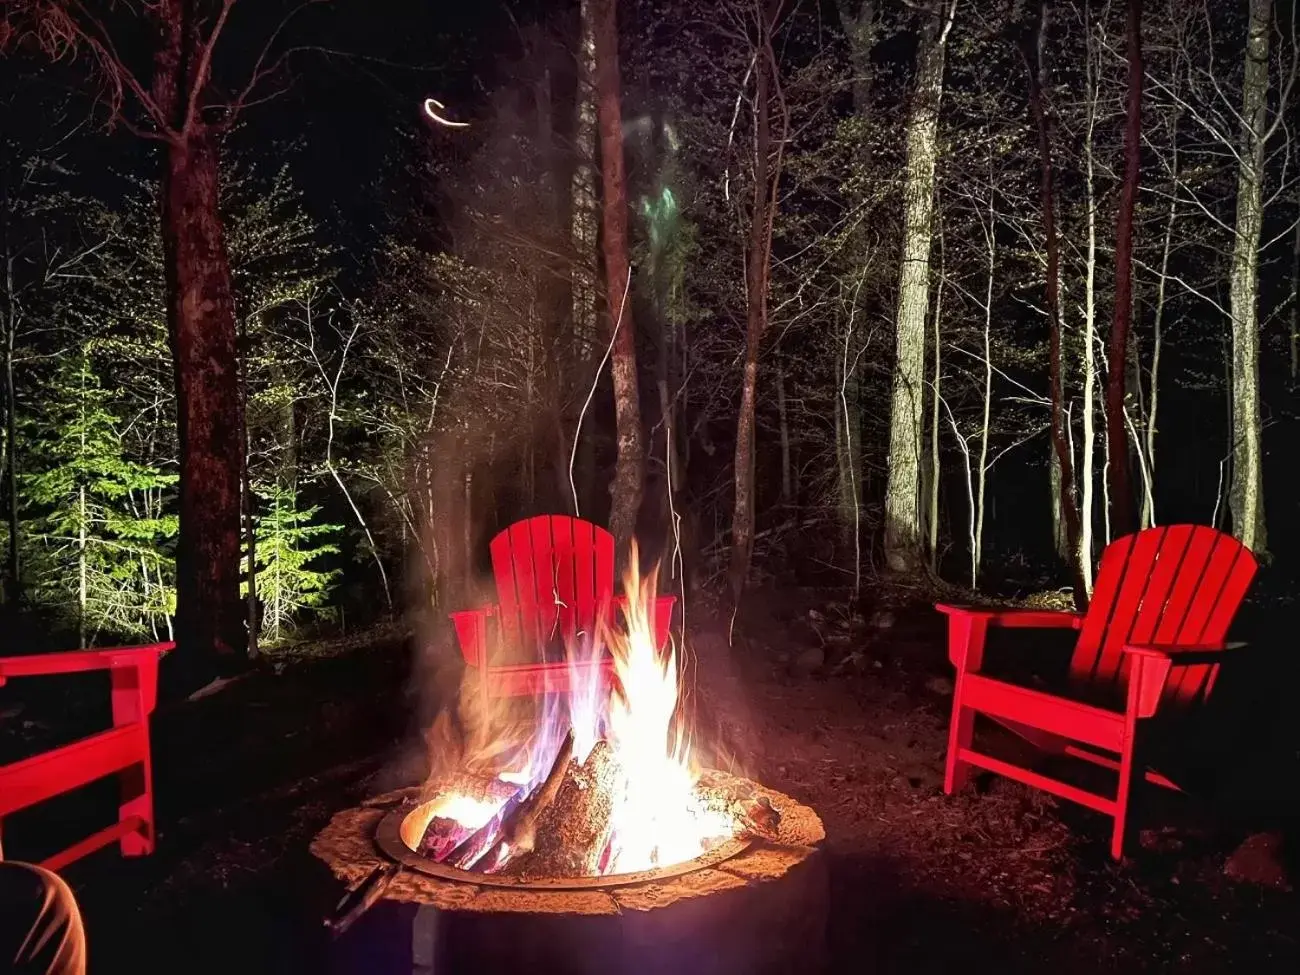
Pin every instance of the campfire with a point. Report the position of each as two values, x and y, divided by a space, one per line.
580 831
599 779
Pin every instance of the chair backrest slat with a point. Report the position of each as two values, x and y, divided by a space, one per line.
553 574
1176 585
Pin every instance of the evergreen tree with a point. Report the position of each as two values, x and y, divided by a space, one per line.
288 542
99 522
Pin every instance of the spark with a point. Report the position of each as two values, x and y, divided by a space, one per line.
433 108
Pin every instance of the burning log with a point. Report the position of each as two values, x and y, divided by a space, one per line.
754 813
519 831
441 836
451 810
483 787
573 831
504 823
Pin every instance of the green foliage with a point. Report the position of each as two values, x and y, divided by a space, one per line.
97 523
289 544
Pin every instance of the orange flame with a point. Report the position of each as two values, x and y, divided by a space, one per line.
658 816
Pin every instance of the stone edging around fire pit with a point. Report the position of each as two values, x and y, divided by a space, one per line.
347 847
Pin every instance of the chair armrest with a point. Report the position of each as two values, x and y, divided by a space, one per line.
1152 664
471 633
77 661
1192 653
968 626
1014 618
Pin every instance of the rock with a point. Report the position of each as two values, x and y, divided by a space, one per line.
1259 861
942 686
808 661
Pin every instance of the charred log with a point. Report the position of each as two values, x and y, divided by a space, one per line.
520 830
573 832
753 813
485 838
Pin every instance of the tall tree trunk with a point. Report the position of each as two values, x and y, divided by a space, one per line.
762 212
1120 484
1295 297
1246 493
249 511
1035 62
201 318
1087 459
982 465
861 24
584 236
933 475
585 204
783 418
903 541
13 573
629 473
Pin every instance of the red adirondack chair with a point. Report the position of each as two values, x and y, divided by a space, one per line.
124 749
1151 641
554 577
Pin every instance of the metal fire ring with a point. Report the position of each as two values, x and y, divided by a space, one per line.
388 837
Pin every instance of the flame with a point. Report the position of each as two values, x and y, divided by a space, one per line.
658 816
469 811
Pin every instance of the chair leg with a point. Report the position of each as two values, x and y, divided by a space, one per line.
960 733
137 801
1124 798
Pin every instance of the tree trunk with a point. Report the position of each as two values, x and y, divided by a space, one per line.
757 257
249 510
861 24
982 466
933 474
629 473
1120 484
585 204
1246 492
13 575
1063 475
1295 299
584 236
903 542
783 419
201 319
1087 459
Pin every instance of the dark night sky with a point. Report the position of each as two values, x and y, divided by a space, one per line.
350 111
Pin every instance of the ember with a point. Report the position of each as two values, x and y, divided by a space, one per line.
602 781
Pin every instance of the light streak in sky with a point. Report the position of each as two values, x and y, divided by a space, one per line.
434 109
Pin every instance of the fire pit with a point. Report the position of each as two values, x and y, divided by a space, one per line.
747 907
584 836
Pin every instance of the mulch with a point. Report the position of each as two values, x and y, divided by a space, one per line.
998 876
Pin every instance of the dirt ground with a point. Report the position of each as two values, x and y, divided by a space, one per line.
847 716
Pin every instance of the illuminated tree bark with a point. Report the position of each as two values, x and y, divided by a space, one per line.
903 530
1246 492
629 473
861 23
584 221
1117 454
757 267
1063 467
201 322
